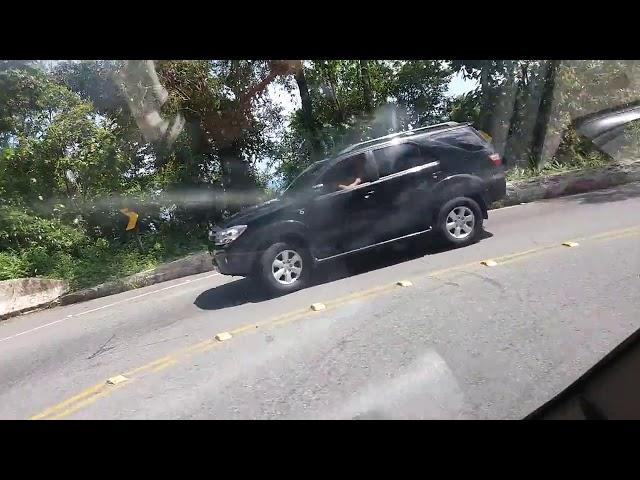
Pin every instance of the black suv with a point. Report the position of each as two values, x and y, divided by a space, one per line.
438 178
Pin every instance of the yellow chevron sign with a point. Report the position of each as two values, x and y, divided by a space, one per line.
133 218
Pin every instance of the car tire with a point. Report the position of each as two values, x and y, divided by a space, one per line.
285 267
459 222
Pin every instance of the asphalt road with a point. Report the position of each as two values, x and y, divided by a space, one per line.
463 341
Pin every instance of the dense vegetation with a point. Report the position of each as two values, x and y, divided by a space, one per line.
186 143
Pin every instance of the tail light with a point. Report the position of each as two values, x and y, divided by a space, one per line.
495 159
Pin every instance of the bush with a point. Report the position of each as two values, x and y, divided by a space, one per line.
576 151
34 246
11 266
21 230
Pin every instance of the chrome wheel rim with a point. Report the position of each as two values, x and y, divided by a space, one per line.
287 267
460 222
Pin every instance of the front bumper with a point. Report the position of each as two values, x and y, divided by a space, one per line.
233 263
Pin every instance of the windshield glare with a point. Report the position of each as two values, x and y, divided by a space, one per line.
305 180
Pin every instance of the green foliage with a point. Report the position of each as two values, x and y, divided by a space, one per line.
20 230
419 86
631 145
465 108
574 153
355 100
31 246
11 266
56 147
510 92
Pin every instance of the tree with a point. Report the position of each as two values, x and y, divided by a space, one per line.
225 101
367 94
464 108
59 157
310 124
419 86
355 100
544 112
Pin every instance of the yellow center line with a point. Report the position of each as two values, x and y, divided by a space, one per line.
164 365
618 235
85 393
612 234
148 366
91 394
83 403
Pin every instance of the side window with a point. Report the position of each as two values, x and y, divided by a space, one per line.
396 158
351 170
463 138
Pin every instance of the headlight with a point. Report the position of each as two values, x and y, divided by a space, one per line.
228 235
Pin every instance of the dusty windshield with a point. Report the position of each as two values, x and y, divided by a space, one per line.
473 253
305 181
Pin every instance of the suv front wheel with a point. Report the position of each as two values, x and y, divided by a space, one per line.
285 268
459 221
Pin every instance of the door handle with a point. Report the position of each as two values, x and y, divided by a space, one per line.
369 193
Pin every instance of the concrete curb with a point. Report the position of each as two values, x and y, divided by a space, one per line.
23 295
569 183
191 265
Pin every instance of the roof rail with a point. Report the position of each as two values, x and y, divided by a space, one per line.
400 134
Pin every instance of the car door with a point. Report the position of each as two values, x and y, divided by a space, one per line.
407 174
341 220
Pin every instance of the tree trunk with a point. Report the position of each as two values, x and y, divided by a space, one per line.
520 92
505 108
366 86
307 114
237 180
334 95
544 112
485 104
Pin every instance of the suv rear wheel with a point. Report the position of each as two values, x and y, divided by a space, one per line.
285 267
459 221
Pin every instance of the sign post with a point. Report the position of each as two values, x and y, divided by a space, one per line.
132 224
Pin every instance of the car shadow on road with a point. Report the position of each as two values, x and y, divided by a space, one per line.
246 290
237 292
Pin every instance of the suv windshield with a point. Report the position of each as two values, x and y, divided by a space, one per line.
305 180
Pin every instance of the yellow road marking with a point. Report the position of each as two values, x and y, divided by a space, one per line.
85 402
91 394
201 347
85 393
617 235
197 346
148 366
164 365
612 234
251 326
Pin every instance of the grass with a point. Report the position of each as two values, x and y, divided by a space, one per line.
555 166
98 262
